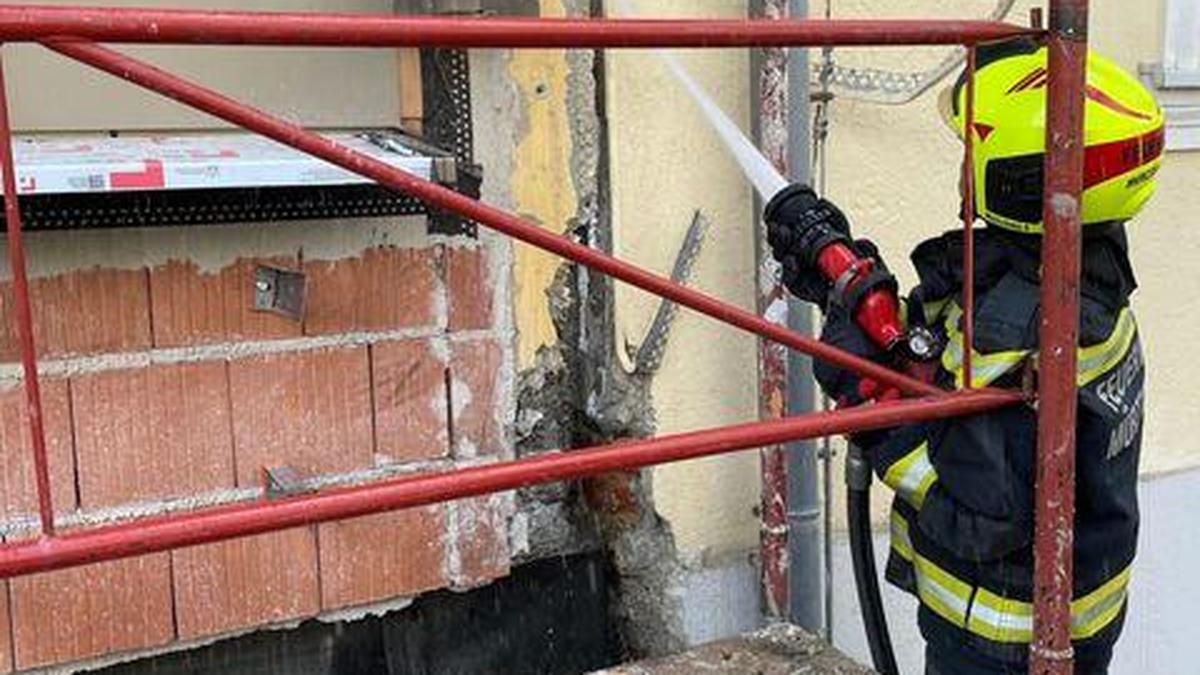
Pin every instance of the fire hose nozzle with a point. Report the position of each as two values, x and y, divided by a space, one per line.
811 229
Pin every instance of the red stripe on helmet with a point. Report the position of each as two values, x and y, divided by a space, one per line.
1113 104
1039 83
1025 82
1040 78
1109 160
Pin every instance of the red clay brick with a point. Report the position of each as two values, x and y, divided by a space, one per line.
468 291
480 527
310 411
153 432
383 556
81 312
82 612
191 306
17 482
383 289
410 400
246 582
475 397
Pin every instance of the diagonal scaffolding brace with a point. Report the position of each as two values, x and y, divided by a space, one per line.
227 109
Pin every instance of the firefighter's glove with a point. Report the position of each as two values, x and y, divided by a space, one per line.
799 226
846 387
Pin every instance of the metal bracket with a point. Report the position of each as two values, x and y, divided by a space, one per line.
283 481
279 291
466 180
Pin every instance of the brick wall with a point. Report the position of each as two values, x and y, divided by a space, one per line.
164 389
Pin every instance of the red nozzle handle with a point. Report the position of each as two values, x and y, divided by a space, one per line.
878 312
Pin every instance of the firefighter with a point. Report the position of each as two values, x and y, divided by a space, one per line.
962 518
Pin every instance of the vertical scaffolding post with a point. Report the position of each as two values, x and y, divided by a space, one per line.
968 216
24 316
1051 652
773 305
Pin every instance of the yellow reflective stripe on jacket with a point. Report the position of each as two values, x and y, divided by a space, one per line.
994 616
940 591
1093 361
901 544
912 476
1098 359
1091 613
1000 619
985 368
933 309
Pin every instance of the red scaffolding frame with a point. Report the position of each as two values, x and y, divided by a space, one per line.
75 31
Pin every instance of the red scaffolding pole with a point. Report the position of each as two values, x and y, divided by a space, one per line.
31 23
208 525
1054 536
24 316
772 357
968 190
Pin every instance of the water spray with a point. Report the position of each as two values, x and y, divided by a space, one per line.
875 305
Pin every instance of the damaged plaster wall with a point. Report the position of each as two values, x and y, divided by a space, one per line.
573 392
665 164
580 385
511 94
575 389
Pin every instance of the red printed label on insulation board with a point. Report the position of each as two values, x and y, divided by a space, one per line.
76 163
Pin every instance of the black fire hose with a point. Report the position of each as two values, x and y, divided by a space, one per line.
862 554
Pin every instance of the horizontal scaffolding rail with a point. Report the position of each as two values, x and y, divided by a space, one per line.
29 23
208 525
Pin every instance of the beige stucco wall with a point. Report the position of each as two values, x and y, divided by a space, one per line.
665 165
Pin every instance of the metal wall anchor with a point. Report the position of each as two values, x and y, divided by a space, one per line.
279 291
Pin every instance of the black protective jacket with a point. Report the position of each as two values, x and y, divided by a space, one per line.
962 520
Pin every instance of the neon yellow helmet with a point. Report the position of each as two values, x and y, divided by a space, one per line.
1123 130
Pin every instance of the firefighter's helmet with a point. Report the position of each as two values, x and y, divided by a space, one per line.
1123 130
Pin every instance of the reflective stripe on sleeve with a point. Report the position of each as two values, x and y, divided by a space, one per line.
1092 612
1000 619
1093 361
985 368
901 543
912 476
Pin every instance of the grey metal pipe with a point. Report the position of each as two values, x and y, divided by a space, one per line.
805 575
